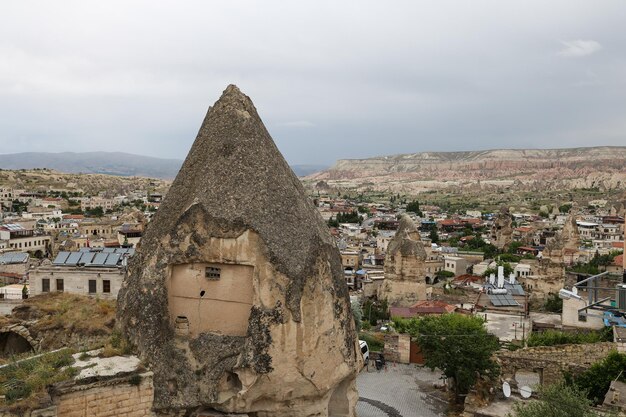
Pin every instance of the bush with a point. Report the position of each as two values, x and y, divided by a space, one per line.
557 337
557 400
375 341
554 304
597 379
444 274
23 378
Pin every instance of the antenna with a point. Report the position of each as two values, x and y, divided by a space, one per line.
506 389
526 391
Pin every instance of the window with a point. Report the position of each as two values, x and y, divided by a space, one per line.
59 285
106 286
92 286
45 285
212 273
582 317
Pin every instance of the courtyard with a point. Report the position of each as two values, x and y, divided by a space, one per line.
400 391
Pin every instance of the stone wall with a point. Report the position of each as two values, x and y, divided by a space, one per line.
121 399
129 396
551 361
397 347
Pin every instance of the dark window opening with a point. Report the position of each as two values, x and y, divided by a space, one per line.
45 285
92 286
202 293
106 286
212 273
60 286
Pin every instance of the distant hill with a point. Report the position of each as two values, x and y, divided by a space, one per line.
111 163
600 166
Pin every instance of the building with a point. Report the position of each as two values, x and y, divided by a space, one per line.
90 203
14 267
351 260
408 267
16 237
86 272
422 308
456 265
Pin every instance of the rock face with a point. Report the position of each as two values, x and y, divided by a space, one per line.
235 296
407 267
501 231
563 248
528 168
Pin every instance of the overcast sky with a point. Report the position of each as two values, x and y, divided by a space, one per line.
331 79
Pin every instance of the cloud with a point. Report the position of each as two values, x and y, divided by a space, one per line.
296 123
579 47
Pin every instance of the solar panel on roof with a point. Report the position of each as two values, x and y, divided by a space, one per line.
73 258
99 259
131 251
500 300
84 250
87 258
112 259
108 250
61 258
18 257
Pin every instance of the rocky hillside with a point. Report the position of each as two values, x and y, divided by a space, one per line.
90 184
602 167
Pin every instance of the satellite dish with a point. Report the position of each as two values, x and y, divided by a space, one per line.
525 391
506 389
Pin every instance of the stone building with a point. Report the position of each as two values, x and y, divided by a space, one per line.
408 267
235 297
501 231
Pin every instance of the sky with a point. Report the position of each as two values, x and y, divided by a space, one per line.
330 79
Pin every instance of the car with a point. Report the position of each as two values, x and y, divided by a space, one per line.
365 351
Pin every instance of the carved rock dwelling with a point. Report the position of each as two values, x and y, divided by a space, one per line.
235 297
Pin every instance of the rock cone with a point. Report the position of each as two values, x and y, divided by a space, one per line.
235 296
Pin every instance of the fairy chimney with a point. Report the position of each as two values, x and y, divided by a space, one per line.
502 231
405 267
235 297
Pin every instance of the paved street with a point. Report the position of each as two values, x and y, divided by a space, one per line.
402 391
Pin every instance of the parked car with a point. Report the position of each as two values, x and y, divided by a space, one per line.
365 351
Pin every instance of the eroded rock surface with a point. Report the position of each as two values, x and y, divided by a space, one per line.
235 296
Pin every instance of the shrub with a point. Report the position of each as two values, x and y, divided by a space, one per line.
557 337
597 379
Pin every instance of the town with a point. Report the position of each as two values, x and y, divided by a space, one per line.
524 273
312 209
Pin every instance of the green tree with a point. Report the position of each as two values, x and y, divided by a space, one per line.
597 379
554 303
565 208
357 314
557 400
459 345
434 236
508 269
414 207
